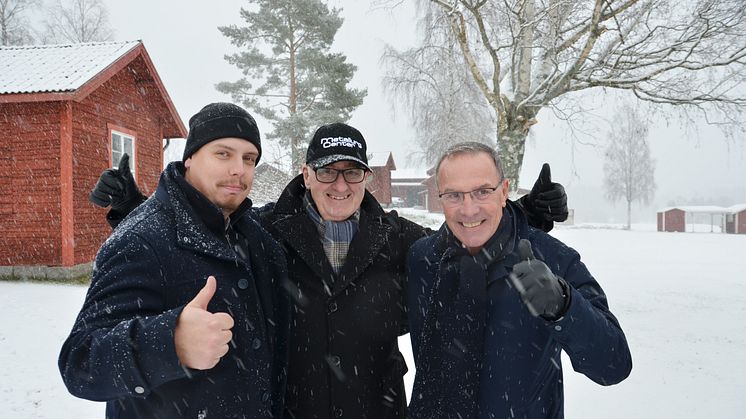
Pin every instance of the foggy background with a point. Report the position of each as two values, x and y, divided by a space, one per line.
696 165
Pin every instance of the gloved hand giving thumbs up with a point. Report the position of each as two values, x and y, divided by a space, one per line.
542 292
546 203
117 187
201 337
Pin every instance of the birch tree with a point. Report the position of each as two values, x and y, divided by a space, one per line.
629 169
74 21
434 84
14 23
527 55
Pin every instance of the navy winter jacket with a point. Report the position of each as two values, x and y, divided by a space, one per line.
489 357
121 349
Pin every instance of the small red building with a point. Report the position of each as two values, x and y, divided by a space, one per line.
735 220
381 163
67 112
703 218
672 220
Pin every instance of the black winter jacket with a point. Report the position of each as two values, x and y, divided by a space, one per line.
344 358
121 349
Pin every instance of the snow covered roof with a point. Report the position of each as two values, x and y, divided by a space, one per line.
707 209
406 184
409 173
379 158
56 68
269 182
736 208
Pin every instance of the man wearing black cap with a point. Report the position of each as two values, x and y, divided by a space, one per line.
346 261
345 258
183 317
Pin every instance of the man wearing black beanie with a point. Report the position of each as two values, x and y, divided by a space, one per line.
184 317
221 120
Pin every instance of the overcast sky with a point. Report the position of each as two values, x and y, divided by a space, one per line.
187 50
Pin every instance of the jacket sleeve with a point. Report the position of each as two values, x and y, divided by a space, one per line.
122 341
421 277
406 233
115 217
588 332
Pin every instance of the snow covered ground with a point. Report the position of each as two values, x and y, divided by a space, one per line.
680 297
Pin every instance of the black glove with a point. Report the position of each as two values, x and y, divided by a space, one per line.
117 187
544 293
546 203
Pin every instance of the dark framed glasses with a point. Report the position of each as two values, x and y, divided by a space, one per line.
329 175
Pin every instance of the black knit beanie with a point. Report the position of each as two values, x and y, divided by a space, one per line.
221 120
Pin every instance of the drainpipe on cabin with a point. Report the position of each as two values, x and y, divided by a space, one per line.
165 147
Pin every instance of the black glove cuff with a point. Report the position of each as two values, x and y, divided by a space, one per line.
126 206
533 216
566 297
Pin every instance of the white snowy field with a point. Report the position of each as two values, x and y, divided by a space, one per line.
680 297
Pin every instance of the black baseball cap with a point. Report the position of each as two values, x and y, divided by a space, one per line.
337 142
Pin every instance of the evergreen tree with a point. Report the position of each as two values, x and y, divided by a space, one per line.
290 76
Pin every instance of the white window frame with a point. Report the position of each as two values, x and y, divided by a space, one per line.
123 138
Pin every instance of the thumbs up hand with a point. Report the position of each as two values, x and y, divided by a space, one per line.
117 187
541 291
201 337
547 201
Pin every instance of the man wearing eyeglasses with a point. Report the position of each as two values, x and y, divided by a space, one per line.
345 258
493 302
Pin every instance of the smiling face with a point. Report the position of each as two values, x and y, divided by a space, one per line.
338 200
472 222
223 171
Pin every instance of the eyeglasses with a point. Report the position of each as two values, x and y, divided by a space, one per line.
453 199
329 175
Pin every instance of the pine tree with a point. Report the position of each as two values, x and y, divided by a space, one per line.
291 77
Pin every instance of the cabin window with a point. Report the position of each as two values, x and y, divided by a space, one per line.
122 143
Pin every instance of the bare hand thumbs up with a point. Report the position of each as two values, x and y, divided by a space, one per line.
201 338
203 297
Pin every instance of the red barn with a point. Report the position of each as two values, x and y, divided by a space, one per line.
381 164
67 112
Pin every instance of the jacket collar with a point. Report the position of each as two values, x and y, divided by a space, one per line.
298 231
200 225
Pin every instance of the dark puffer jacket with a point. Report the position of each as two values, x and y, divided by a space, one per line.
121 349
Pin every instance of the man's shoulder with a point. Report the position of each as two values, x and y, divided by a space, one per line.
428 246
148 219
255 226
